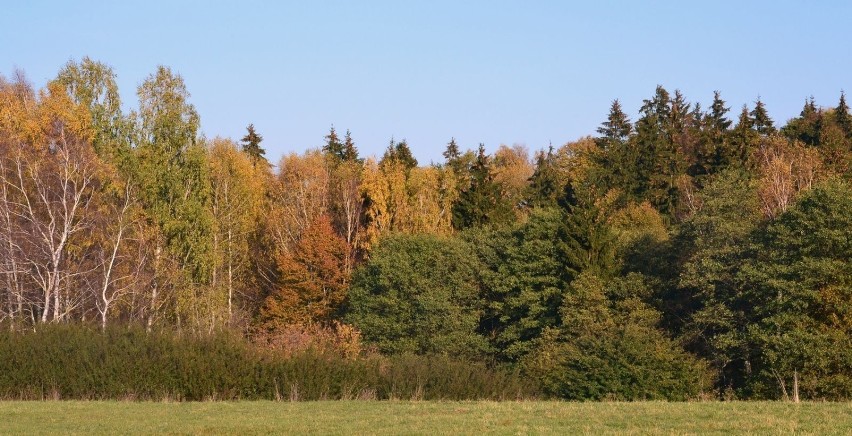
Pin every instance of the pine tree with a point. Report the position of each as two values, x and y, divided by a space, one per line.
350 152
333 147
586 241
718 114
543 187
658 163
251 146
762 123
452 153
807 126
616 128
743 139
617 161
713 132
481 203
842 117
399 152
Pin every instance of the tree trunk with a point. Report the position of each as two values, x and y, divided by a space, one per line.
795 386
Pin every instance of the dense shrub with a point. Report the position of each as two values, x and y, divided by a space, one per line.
609 347
77 362
418 294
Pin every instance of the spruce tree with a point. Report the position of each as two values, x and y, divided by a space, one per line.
658 164
743 139
481 203
806 127
543 189
842 117
452 153
616 128
333 147
617 163
714 127
718 114
251 146
762 123
403 154
350 152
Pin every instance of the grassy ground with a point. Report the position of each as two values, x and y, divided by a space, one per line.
70 417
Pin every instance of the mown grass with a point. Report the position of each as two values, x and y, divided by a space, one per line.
426 417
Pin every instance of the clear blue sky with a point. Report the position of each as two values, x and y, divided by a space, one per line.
527 72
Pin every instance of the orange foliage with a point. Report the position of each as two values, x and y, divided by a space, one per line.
313 281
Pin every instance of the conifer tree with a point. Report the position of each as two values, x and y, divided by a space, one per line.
617 162
842 117
743 139
713 132
543 187
333 147
251 146
807 126
350 152
718 114
616 128
762 123
658 164
399 152
481 203
452 153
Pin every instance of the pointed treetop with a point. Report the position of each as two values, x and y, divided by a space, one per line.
333 147
745 121
350 152
452 152
718 113
251 145
841 114
399 152
762 123
617 126
543 190
809 108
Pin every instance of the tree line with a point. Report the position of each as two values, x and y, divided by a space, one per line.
685 253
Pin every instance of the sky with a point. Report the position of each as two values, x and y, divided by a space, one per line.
493 72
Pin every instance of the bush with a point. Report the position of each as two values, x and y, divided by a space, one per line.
609 347
419 294
79 362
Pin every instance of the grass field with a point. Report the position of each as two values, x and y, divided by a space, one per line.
370 417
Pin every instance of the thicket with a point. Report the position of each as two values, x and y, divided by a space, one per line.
79 362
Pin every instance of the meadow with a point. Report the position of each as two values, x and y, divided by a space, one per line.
422 417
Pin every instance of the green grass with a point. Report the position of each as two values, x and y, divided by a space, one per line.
399 417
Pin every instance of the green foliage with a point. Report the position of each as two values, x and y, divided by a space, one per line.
482 201
251 146
762 123
399 152
77 362
333 146
350 151
544 185
419 294
742 142
174 171
707 300
659 162
92 84
798 285
610 348
523 277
